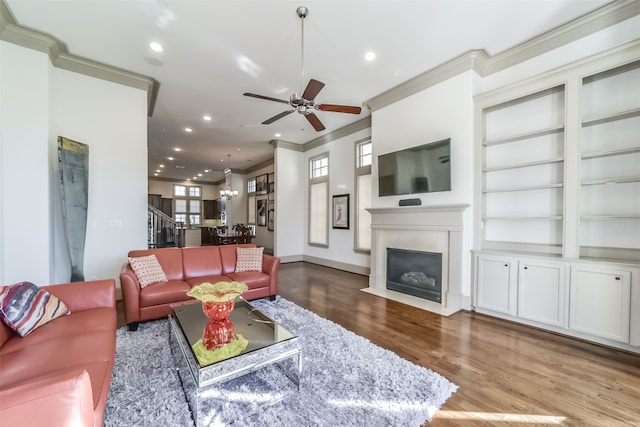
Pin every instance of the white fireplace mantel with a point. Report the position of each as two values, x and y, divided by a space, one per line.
427 228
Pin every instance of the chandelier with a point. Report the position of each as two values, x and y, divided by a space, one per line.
228 193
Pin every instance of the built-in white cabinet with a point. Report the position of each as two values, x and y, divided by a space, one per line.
542 292
600 302
557 238
497 276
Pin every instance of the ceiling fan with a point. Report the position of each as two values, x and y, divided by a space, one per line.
304 103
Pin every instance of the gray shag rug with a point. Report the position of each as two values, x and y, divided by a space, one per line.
346 380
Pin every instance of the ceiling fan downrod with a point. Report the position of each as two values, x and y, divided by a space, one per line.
302 12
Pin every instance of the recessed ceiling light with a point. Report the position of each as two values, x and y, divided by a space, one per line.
160 166
199 174
155 174
370 56
195 177
206 118
207 170
158 170
155 46
177 149
188 130
170 158
277 135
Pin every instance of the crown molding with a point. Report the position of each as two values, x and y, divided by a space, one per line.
471 60
279 143
13 32
484 64
363 123
261 165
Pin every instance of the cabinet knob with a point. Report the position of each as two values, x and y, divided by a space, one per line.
506 265
618 278
526 267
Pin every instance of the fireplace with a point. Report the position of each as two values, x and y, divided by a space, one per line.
436 229
417 273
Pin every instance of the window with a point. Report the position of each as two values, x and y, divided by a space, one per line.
187 204
363 195
251 185
364 154
319 200
320 167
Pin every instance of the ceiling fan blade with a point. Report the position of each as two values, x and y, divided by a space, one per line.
268 98
315 122
339 108
277 117
313 88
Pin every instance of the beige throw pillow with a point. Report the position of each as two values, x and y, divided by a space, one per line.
148 270
248 259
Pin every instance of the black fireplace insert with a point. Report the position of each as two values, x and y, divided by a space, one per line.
416 273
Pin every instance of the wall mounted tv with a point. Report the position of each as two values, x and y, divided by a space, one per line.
422 169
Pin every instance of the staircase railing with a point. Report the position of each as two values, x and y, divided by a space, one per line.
164 231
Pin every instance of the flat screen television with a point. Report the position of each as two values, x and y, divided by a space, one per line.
422 169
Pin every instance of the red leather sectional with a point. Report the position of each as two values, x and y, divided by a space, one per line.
60 373
188 267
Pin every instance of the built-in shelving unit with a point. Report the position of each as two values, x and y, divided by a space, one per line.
610 164
523 172
558 242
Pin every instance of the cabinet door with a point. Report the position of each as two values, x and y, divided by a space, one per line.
496 284
542 292
600 302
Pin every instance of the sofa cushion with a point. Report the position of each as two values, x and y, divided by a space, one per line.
147 269
24 307
201 261
249 259
164 293
253 279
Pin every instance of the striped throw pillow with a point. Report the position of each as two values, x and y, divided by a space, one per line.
24 307
248 259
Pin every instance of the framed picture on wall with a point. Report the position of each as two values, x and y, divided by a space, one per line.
341 211
261 212
271 183
271 215
261 184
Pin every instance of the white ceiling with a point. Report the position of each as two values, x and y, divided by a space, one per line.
214 51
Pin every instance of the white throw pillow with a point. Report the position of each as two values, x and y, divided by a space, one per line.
148 270
248 259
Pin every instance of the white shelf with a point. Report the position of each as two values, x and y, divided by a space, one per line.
521 218
526 135
531 188
605 181
621 216
608 153
524 165
592 121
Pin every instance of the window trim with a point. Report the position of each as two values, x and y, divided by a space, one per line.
360 171
311 183
188 198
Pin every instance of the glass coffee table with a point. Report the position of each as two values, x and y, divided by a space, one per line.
265 372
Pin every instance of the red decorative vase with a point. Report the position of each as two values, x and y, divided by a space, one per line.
217 334
217 310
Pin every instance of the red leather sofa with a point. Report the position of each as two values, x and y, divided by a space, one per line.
60 373
188 267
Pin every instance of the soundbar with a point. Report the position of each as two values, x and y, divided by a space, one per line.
410 202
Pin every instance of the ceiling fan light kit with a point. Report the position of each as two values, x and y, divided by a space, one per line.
304 103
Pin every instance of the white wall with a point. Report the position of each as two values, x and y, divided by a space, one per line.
25 217
112 120
289 233
439 112
42 103
341 181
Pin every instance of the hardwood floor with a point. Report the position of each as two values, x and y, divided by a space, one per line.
508 374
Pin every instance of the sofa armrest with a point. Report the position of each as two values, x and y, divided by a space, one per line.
271 266
61 398
130 293
81 296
